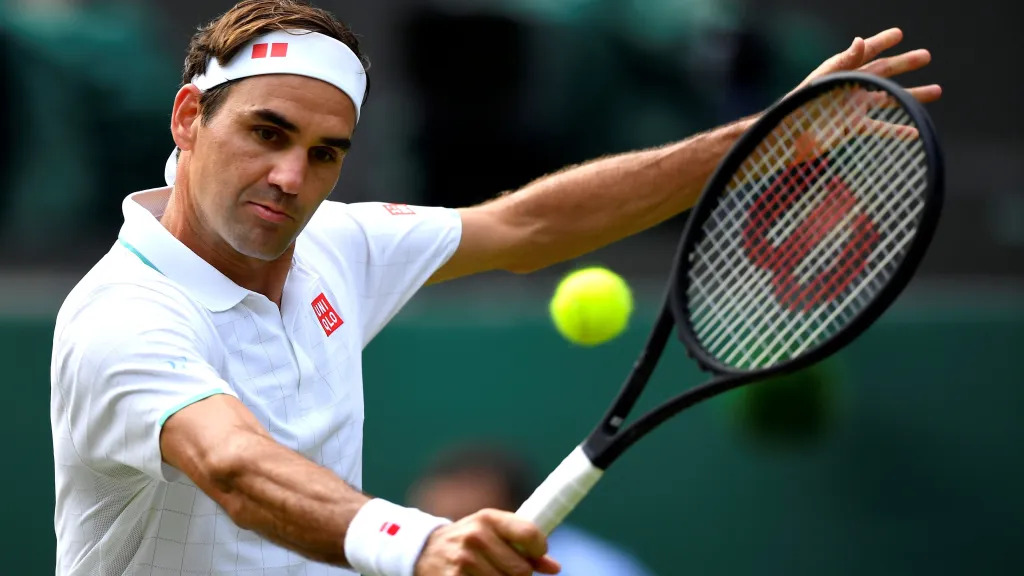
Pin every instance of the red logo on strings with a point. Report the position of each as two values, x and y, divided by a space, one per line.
329 319
398 209
277 50
389 528
785 258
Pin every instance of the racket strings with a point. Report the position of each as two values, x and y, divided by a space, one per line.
739 255
780 154
778 148
797 247
746 345
842 224
783 258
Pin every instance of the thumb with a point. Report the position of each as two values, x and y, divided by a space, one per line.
546 565
853 58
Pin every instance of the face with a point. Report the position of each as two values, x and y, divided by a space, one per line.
265 161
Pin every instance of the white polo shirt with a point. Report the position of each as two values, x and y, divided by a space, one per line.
153 328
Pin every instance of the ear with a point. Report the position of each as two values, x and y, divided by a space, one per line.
185 116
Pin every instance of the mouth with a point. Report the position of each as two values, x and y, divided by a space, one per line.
269 213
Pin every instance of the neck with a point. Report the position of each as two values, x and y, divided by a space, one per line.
260 276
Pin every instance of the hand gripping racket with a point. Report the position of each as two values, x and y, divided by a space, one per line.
808 230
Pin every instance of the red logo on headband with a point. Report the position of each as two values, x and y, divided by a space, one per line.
277 50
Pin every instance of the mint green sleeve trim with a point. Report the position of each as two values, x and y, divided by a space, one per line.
190 402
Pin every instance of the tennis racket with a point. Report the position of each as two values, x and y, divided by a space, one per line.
808 230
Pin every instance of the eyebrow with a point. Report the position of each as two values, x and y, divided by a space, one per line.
283 123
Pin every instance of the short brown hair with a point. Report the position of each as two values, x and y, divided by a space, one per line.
224 36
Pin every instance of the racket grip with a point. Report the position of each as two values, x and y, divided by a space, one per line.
561 491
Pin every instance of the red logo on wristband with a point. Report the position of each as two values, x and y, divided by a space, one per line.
389 528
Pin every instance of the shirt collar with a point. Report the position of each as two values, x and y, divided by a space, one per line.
143 234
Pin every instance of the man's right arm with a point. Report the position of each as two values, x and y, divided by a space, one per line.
270 489
262 485
144 392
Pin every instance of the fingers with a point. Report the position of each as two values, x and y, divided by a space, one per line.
498 554
861 55
488 543
522 534
894 65
527 539
923 94
881 42
546 565
849 59
889 130
926 94
508 560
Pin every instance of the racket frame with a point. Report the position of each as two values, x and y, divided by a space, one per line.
610 439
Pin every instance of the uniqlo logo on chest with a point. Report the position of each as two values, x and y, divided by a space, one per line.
329 319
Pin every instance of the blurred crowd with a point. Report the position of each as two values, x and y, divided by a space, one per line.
501 92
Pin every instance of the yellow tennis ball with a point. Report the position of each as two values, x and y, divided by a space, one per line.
591 306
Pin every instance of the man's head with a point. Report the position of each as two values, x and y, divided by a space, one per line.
468 479
263 122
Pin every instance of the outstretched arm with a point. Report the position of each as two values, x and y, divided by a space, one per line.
586 207
278 493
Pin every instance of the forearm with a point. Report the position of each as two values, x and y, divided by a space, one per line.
288 499
585 207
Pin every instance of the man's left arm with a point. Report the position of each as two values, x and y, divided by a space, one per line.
586 207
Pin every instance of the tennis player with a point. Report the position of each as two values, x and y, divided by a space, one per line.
207 395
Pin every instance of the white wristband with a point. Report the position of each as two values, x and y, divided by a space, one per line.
385 539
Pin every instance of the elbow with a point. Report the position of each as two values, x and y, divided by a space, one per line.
532 250
225 463
223 471
535 256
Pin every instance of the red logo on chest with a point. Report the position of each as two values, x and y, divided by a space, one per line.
329 319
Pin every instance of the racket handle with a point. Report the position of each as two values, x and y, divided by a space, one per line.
561 491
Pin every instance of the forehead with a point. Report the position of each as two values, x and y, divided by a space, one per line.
309 103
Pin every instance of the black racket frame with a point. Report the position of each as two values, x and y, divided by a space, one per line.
610 439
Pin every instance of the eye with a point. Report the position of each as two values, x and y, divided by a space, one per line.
324 155
265 134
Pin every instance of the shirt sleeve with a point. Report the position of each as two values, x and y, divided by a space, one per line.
390 250
124 363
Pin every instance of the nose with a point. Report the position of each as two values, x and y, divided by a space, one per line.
289 172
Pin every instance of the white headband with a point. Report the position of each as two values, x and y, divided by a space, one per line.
298 52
